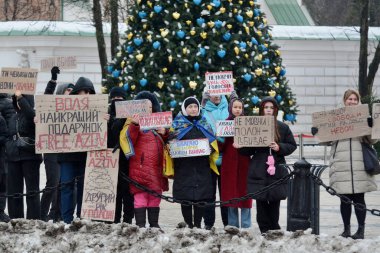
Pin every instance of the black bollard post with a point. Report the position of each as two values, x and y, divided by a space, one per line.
299 198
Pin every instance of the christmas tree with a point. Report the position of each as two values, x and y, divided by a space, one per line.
170 45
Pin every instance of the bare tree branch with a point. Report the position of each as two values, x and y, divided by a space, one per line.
373 67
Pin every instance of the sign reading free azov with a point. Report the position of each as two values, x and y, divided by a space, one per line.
186 148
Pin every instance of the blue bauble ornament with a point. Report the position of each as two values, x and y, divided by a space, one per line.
240 18
243 44
262 48
116 73
255 100
227 36
202 51
143 82
126 86
222 53
173 103
282 72
178 85
216 3
157 8
196 66
142 14
265 61
290 117
247 77
278 98
156 44
218 24
197 2
138 41
181 34
256 12
200 21
270 81
254 41
130 49
110 68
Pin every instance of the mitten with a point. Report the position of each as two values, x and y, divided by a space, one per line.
54 73
314 130
271 169
370 121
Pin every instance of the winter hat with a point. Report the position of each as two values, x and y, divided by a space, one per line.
266 100
188 101
118 92
231 116
63 87
156 107
83 83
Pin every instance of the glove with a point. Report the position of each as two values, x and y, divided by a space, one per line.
271 168
54 73
314 130
370 121
205 97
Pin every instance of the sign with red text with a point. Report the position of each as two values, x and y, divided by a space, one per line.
376 121
67 123
156 120
225 128
219 83
63 62
187 148
342 123
125 109
21 79
254 131
100 185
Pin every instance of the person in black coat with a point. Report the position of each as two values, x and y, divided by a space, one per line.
124 199
192 175
23 164
268 203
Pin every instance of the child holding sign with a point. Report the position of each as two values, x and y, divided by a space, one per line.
234 174
192 175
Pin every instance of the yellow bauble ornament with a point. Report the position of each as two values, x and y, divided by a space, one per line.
118 54
188 22
278 52
209 7
259 33
129 36
246 29
104 89
229 26
184 50
246 56
259 57
272 93
235 10
258 72
203 35
176 15
149 37
222 10
131 18
251 23
230 1
255 110
186 5
151 15
210 24
133 87
276 84
122 64
139 57
121 84
234 80
277 69
240 2
249 13
138 1
251 3
290 102
237 51
164 32
192 32
193 85
165 70
149 3
160 84
170 58
265 21
266 45
145 26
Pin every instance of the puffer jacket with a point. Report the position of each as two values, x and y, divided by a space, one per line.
146 165
347 174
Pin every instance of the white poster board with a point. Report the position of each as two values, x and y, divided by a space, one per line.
63 62
156 120
188 148
129 108
254 131
225 128
22 79
219 83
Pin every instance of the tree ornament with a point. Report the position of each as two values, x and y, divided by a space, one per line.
265 61
165 70
116 73
145 26
104 90
156 45
186 5
181 34
209 7
242 44
251 23
210 24
249 13
133 87
176 15
247 77
188 22
255 110
277 69
258 72
239 18
173 103
149 3
109 69
126 86
202 51
143 82
122 64
279 98
251 3
272 93
276 84
131 18
184 50
221 53
192 32
164 32
129 36
138 2
227 36
170 58
178 85
196 66
200 21
139 57
240 2
218 24
130 49
278 52
142 14
247 29
197 2
157 8
222 10
160 84
290 102
246 56
282 72
138 41
259 33
203 35
216 3
118 54
237 51
255 99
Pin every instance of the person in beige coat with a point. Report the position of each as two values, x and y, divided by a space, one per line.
347 174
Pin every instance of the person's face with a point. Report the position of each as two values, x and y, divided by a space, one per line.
268 109
215 99
83 92
351 100
67 91
192 110
237 108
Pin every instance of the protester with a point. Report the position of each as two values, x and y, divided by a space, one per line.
146 163
347 174
23 162
192 175
261 174
124 199
234 174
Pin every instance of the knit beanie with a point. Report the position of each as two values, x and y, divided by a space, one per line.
188 101
118 92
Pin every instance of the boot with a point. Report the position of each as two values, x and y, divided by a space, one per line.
153 213
187 213
4 217
347 231
140 215
359 234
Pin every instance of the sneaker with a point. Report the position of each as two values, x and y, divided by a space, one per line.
4 217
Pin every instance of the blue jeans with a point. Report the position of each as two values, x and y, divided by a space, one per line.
69 171
233 217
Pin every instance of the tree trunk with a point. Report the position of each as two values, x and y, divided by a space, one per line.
363 61
97 13
373 67
114 6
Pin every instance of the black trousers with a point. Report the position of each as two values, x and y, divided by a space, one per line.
28 170
346 209
124 199
3 190
268 214
53 175
209 212
190 218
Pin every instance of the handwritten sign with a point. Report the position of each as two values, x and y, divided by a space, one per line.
342 123
219 83
63 62
254 131
21 79
69 123
376 121
125 109
100 185
225 128
156 120
187 148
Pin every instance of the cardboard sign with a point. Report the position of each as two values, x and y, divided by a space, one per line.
254 131
376 121
187 148
63 62
342 123
69 123
125 109
100 185
156 120
219 83
21 79
225 128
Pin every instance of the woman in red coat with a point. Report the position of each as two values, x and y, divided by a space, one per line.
234 174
